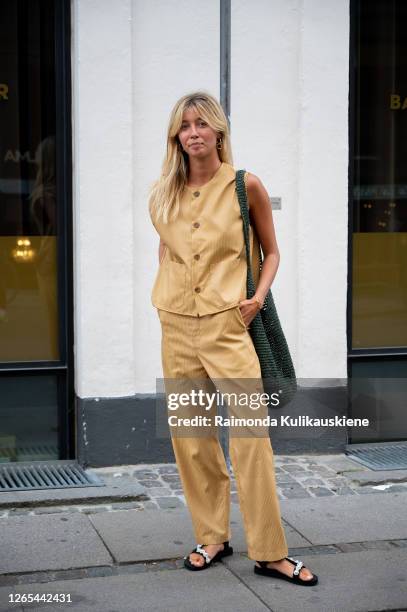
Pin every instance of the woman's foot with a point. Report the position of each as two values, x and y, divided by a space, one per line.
288 568
211 549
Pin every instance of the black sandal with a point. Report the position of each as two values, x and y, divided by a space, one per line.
274 573
227 550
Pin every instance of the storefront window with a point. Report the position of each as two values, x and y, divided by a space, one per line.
29 420
379 292
28 202
36 357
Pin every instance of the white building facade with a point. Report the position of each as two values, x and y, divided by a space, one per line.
290 102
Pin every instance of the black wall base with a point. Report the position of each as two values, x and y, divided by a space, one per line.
119 431
122 431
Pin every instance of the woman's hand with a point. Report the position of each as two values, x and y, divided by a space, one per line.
249 309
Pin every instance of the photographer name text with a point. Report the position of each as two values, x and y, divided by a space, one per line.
282 421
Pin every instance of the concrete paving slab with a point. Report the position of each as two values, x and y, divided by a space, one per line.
356 582
376 477
142 535
339 463
214 589
123 492
134 535
294 539
349 518
47 542
5 603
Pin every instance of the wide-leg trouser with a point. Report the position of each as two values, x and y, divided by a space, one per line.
219 346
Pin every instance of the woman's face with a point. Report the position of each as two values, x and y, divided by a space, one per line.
195 135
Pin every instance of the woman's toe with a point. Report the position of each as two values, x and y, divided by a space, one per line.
196 559
305 574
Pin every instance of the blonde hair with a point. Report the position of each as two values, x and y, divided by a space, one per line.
165 193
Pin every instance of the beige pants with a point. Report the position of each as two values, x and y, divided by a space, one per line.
218 346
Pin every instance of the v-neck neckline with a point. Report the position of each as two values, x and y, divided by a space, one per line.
200 187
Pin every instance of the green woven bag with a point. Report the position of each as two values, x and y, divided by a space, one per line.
276 365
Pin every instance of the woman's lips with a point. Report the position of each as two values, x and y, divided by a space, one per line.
196 144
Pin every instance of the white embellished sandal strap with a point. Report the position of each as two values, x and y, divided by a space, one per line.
298 566
203 552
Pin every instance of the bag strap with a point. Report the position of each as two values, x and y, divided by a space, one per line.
244 211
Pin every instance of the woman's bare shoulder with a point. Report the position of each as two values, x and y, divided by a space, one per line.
254 187
252 180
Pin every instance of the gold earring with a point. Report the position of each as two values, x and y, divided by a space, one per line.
219 144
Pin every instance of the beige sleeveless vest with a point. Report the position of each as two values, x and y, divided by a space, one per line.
204 267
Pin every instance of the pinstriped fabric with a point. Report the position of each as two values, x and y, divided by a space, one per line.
204 267
253 465
218 346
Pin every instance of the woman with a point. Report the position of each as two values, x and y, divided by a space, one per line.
200 296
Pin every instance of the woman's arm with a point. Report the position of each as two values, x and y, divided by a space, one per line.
262 218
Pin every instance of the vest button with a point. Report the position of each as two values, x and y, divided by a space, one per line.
196 256
197 289
196 224
196 193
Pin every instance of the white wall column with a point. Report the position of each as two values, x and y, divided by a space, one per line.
175 51
103 207
323 188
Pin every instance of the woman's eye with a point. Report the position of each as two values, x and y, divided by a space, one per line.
200 123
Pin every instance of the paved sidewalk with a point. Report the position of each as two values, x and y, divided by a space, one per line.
346 522
159 486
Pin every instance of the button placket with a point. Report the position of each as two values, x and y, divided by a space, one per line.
195 256
195 287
